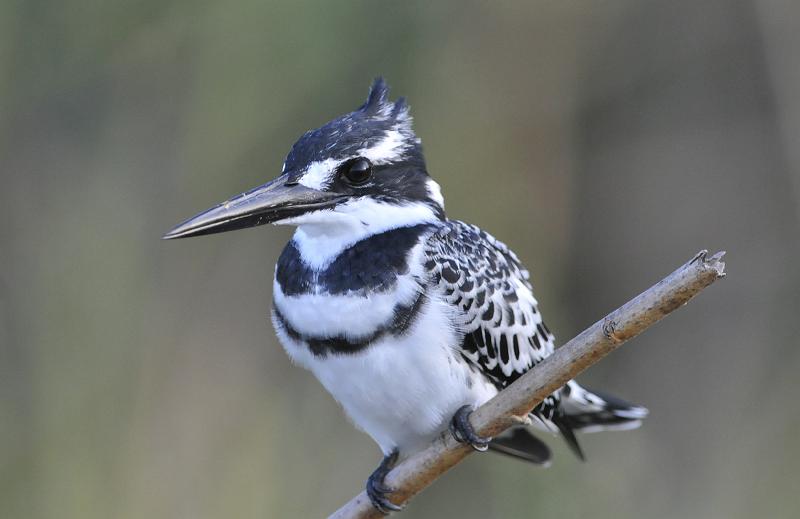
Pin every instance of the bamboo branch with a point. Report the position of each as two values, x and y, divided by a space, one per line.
419 470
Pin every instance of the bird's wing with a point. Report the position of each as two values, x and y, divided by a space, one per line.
503 332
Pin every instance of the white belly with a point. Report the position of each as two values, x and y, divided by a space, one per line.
400 390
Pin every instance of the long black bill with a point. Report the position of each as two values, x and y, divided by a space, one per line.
269 203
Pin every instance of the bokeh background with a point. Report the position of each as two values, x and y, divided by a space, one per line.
606 142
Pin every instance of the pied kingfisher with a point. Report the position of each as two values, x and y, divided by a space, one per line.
410 320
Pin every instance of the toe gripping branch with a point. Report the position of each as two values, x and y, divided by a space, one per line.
463 432
377 489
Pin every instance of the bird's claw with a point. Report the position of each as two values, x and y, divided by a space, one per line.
377 496
463 432
377 488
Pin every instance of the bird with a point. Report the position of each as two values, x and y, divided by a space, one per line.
409 319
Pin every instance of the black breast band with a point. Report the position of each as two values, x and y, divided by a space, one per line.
401 321
370 265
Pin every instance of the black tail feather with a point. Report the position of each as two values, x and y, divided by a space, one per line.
579 409
522 444
569 436
587 410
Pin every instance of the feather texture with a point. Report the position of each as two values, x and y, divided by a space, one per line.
493 305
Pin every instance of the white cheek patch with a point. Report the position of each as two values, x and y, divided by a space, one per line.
319 175
376 216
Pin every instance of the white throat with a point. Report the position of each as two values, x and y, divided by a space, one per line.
322 235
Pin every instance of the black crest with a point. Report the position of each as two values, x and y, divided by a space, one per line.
378 94
378 104
364 127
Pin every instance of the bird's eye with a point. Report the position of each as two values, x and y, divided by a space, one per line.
356 171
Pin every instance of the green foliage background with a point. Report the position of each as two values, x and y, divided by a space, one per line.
606 142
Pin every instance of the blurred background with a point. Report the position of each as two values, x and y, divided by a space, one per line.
606 142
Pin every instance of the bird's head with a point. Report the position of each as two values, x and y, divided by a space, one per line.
362 171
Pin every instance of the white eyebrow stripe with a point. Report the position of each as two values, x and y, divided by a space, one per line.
395 142
319 175
389 149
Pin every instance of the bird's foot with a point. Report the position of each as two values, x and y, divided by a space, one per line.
377 489
462 430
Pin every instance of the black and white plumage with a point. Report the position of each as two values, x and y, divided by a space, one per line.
403 315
